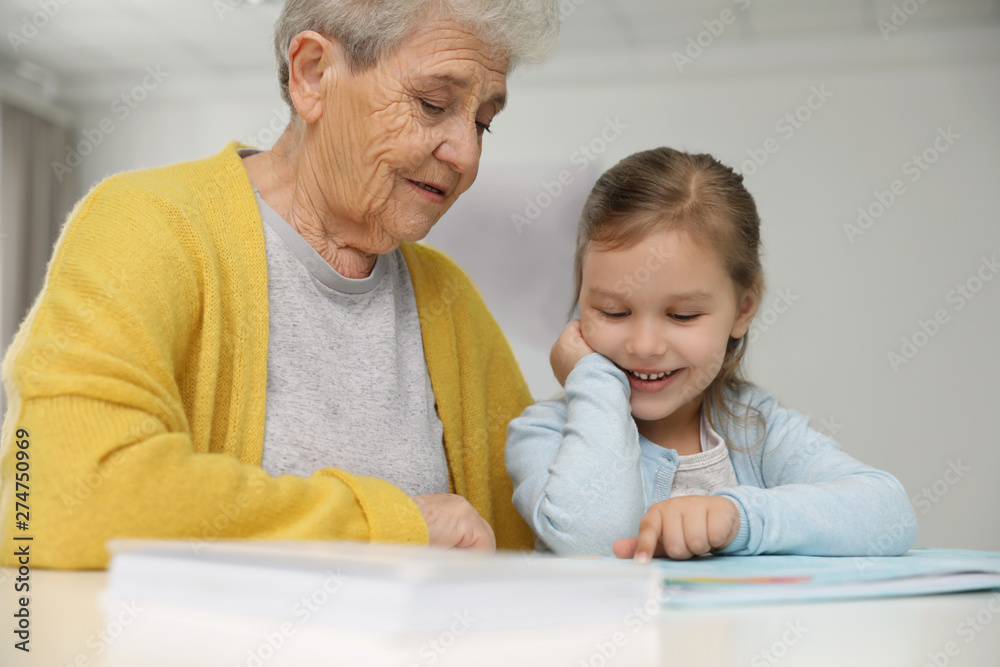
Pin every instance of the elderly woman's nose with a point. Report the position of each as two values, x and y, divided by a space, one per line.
460 147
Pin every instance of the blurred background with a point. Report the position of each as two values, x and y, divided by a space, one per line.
867 130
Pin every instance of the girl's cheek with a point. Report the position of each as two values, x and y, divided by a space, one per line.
702 344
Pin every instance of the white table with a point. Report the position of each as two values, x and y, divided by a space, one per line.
68 627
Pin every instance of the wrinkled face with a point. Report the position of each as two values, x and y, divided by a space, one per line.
664 309
403 139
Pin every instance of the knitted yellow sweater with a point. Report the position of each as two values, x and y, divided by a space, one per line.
136 385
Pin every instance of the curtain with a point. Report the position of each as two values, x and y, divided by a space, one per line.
33 206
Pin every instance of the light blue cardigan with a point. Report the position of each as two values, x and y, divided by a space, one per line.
584 477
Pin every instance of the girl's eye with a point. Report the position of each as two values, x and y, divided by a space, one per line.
684 318
614 316
432 108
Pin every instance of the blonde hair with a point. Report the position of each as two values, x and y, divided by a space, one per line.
665 189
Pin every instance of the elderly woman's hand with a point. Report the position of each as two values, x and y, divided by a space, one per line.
453 522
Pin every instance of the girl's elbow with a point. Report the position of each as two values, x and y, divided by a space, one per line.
907 520
568 539
899 534
898 528
910 529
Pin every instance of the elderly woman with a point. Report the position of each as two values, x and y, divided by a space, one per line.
252 346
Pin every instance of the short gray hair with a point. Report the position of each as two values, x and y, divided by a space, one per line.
523 31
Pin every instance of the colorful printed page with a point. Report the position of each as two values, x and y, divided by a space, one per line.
720 580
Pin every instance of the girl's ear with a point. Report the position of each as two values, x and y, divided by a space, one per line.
746 308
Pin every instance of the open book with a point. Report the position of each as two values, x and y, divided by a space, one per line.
719 580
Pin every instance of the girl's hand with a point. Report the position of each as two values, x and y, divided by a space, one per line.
681 528
569 348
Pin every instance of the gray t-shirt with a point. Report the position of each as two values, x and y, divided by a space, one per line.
347 382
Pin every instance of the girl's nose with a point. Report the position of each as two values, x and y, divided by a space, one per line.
646 340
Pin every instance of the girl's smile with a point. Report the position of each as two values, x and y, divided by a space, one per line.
650 380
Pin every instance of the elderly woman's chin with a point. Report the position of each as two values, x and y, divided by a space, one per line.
412 228
395 225
410 218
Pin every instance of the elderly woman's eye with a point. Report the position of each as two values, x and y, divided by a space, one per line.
432 108
483 127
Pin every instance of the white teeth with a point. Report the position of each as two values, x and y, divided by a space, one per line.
645 376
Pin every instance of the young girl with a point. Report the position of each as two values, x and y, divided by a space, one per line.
659 446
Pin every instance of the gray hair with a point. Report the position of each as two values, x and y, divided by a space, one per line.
522 31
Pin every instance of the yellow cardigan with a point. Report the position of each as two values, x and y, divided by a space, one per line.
136 385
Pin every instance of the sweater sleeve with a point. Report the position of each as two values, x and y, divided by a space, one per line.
817 500
101 385
478 387
575 466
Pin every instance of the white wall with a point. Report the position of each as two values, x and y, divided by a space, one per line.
852 300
